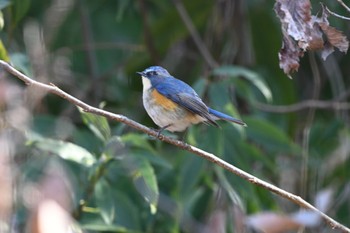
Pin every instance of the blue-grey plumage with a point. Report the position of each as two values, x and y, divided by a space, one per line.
173 105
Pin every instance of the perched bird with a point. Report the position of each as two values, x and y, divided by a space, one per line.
173 105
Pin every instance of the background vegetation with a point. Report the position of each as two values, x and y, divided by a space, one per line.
114 179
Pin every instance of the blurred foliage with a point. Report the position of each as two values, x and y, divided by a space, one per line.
125 181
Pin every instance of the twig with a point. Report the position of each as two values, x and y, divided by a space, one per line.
332 13
208 156
319 104
194 33
107 46
307 127
344 5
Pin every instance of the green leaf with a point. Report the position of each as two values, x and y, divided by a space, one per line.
233 195
19 9
153 159
108 228
105 201
21 62
144 179
268 135
115 148
138 140
128 211
85 138
3 52
199 86
52 127
189 176
254 78
122 7
65 150
231 110
97 124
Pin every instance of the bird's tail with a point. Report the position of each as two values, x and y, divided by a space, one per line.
222 116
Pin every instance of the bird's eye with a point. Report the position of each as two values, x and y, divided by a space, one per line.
152 73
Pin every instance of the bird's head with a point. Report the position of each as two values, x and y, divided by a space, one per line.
154 72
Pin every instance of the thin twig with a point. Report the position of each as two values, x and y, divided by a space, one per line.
208 156
107 46
344 5
334 14
307 127
319 104
194 34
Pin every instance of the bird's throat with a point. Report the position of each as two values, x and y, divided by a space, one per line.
146 84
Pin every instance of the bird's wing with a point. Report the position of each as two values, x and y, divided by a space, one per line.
182 94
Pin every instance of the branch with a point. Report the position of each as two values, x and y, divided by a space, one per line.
344 5
333 13
208 156
194 33
307 125
334 105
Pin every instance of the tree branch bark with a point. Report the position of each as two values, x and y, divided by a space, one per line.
316 104
208 156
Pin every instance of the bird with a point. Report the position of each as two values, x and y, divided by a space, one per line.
173 105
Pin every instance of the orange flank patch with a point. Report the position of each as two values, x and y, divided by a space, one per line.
163 101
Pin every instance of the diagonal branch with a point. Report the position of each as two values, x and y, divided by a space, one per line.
344 5
208 156
194 34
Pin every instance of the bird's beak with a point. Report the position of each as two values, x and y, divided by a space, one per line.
140 73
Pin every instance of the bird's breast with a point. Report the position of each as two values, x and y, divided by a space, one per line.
163 101
164 111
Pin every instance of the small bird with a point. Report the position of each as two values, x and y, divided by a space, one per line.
173 105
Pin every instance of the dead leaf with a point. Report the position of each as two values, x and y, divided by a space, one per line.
335 37
295 17
289 55
303 31
269 222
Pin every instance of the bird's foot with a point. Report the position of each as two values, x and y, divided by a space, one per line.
160 130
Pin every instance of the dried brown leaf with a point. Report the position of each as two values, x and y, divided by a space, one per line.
335 37
302 31
269 222
327 50
289 55
295 17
